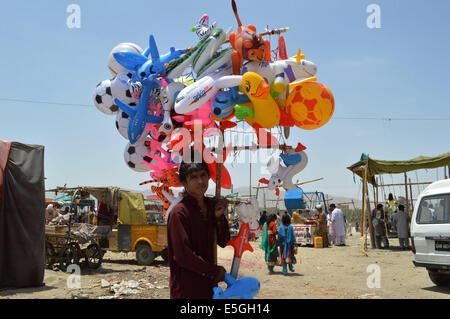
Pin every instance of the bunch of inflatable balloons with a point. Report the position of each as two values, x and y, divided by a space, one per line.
232 78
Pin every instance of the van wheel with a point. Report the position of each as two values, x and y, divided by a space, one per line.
439 279
144 254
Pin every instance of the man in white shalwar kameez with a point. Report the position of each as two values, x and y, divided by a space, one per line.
331 238
337 218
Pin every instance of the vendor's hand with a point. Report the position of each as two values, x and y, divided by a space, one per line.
220 208
221 275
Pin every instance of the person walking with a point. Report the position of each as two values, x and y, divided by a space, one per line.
286 238
269 242
401 221
337 218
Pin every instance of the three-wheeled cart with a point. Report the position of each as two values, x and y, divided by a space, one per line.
64 249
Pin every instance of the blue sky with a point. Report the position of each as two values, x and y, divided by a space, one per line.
397 71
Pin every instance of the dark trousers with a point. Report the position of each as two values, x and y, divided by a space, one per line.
404 242
381 239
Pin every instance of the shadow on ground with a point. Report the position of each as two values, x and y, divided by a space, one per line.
12 291
440 289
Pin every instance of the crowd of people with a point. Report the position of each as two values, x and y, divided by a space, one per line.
398 222
87 214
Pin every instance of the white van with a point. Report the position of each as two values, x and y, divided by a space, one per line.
430 231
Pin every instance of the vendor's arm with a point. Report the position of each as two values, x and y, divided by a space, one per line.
222 227
184 256
223 231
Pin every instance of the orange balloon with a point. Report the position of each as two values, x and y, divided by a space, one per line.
311 105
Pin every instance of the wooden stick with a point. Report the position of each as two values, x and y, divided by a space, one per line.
250 148
218 184
301 183
422 183
274 31
372 233
410 193
268 32
362 213
250 184
406 193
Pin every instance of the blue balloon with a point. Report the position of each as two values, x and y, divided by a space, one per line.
224 102
146 71
244 288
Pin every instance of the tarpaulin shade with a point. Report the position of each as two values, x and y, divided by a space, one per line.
375 167
132 209
22 217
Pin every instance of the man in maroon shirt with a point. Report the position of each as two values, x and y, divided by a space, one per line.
194 227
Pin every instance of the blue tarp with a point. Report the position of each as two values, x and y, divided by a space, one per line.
293 199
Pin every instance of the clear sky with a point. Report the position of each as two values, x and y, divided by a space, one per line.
399 71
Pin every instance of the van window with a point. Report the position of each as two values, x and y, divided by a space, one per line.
434 210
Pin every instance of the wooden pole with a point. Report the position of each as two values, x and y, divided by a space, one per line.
218 183
406 193
250 175
264 194
375 193
363 203
257 190
410 193
372 233
422 183
250 148
364 210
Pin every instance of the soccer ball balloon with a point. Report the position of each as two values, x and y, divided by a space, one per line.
114 66
134 156
311 105
103 98
120 88
122 120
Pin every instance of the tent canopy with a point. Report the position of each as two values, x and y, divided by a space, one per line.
107 195
376 167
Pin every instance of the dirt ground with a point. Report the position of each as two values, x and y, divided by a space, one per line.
335 272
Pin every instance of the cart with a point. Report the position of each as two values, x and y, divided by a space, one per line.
304 233
132 230
64 249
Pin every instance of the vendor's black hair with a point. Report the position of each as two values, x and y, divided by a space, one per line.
190 165
390 197
286 219
188 168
